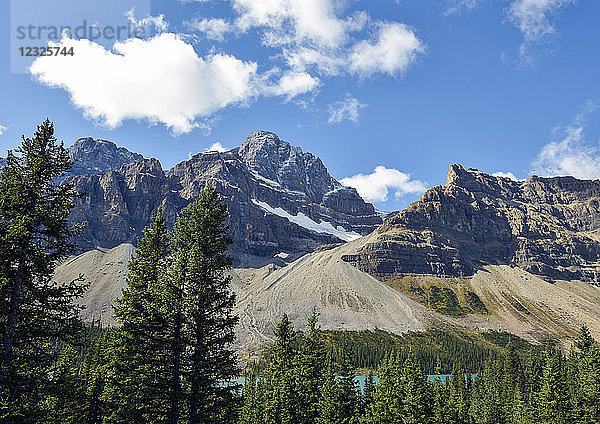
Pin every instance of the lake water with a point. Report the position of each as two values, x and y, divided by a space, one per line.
361 379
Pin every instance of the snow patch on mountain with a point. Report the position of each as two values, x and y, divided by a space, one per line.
305 222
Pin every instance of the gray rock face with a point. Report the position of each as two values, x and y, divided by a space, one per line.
280 200
94 156
547 226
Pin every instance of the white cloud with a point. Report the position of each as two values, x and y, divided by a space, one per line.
217 147
294 83
313 34
214 29
502 174
162 80
346 109
2 129
534 19
571 154
377 185
146 25
395 47
288 21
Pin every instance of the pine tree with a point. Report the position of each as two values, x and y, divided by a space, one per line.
310 364
387 407
553 401
458 397
252 411
339 403
367 396
328 396
416 406
348 399
279 391
585 378
486 401
140 372
203 319
66 390
34 238
440 397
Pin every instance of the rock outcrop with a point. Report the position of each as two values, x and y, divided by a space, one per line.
282 202
93 156
546 226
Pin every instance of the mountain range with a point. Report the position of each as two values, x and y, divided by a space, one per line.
480 252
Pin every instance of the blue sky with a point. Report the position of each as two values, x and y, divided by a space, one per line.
388 93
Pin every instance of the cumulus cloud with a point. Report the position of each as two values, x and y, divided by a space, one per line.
217 147
162 80
311 34
534 19
294 83
394 48
2 129
294 21
378 185
570 153
214 29
347 109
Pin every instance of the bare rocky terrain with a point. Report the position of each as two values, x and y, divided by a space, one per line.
282 201
480 252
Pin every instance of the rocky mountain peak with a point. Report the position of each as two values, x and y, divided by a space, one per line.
287 166
95 156
280 199
547 226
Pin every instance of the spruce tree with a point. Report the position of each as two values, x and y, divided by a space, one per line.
280 395
35 312
416 405
140 371
586 379
387 405
440 401
339 403
252 410
458 398
553 401
368 395
203 320
310 366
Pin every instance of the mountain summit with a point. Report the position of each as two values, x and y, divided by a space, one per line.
94 156
282 202
547 226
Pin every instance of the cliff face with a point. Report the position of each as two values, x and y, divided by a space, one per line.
547 226
281 201
94 156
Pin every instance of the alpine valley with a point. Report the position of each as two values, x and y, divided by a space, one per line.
481 252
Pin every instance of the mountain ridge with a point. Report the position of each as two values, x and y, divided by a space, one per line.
545 225
481 252
281 200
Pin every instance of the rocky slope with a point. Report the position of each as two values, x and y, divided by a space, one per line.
94 156
347 298
546 226
282 202
480 252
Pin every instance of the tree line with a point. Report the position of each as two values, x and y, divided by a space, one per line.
171 359
300 382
